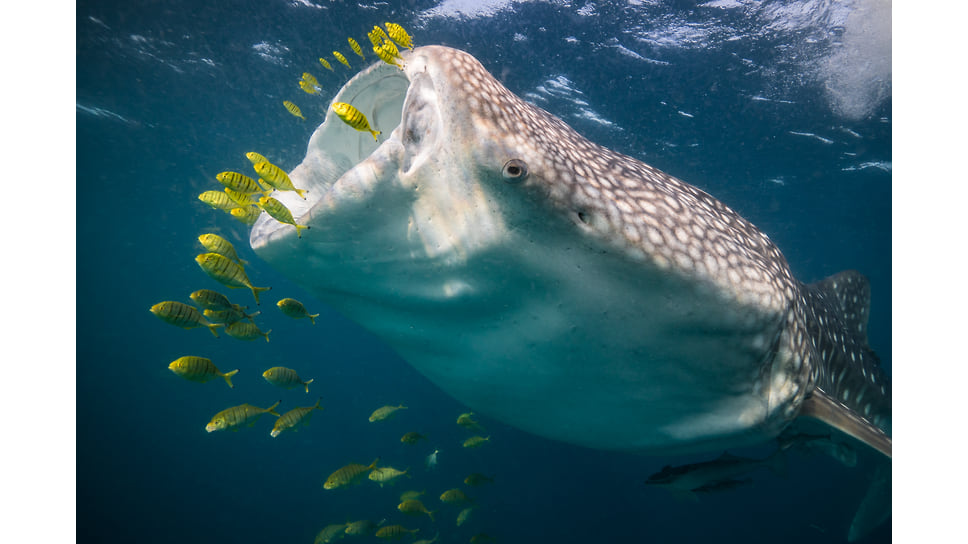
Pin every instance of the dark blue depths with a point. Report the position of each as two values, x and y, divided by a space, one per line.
167 100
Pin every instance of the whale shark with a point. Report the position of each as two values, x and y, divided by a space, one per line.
562 287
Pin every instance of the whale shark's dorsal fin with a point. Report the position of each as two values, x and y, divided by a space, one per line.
820 406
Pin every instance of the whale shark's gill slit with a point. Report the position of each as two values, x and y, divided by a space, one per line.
582 217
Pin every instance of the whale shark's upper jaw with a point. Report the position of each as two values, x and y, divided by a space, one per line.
537 277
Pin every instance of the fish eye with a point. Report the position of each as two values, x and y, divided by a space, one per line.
515 171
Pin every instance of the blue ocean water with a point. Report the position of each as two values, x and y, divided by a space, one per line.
782 110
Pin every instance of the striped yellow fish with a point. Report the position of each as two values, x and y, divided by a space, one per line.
199 369
217 244
227 272
354 118
245 331
309 78
285 377
466 421
293 109
307 87
377 35
295 309
394 532
454 496
280 213
227 317
386 475
238 182
412 438
348 475
399 35
244 199
414 507
391 48
232 418
356 47
246 214
325 64
385 55
277 177
362 527
293 418
464 515
255 158
182 315
212 300
218 200
334 531
472 442
385 412
339 56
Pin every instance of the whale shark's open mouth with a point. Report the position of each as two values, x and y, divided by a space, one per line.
540 278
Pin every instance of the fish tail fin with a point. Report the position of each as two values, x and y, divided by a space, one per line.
212 327
375 133
257 290
312 318
307 384
431 514
301 193
267 335
373 464
272 409
228 377
317 406
299 229
250 316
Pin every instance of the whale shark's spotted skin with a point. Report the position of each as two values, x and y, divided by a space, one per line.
505 173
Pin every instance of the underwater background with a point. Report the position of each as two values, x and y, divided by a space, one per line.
780 109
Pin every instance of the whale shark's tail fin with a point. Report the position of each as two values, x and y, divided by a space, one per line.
851 392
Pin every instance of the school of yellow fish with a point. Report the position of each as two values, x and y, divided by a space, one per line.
245 198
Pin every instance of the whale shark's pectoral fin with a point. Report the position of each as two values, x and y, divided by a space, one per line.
821 407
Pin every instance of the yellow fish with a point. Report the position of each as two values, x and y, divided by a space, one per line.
213 300
384 412
339 56
238 182
477 479
285 377
293 109
399 35
308 87
277 177
385 475
431 541
246 214
326 64
232 418
363 527
245 331
386 56
453 496
377 35
472 442
227 272
218 200
199 369
414 507
295 309
354 118
227 317
464 515
466 421
412 438
244 199
182 315
280 213
330 533
294 417
356 47
349 475
217 244
407 495
255 158
309 78
394 532
391 49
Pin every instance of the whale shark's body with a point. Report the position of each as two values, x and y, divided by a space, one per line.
561 287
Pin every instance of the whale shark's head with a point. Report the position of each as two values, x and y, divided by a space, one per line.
538 277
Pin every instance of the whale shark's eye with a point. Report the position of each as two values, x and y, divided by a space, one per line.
514 171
